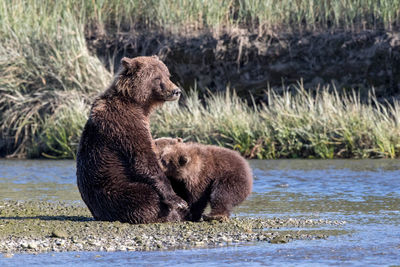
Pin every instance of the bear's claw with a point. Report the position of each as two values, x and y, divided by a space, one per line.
177 202
183 205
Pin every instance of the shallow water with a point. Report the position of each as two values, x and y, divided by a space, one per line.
364 193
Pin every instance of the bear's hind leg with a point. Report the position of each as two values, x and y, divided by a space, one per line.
221 203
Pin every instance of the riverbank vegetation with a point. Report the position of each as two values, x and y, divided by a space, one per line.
295 124
48 77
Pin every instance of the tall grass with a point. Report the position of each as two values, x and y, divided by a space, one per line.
47 72
292 125
178 14
297 124
62 129
270 14
44 61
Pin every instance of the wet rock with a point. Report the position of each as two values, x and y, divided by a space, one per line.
199 243
59 233
32 245
60 242
283 185
279 240
24 244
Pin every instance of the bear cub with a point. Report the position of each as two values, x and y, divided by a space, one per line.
203 174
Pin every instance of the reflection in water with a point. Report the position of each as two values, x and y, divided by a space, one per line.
365 193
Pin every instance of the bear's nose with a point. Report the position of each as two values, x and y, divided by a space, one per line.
176 91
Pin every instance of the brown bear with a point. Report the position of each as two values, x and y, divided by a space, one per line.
118 174
205 173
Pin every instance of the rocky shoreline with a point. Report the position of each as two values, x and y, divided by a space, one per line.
37 227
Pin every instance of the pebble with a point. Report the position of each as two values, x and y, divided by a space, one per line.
59 233
279 240
32 245
60 242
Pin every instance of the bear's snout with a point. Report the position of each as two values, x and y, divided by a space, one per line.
176 91
173 94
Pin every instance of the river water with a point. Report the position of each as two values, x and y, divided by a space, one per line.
364 193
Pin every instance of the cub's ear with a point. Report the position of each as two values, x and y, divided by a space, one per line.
183 160
155 56
179 140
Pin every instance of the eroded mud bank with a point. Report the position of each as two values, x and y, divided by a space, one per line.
250 61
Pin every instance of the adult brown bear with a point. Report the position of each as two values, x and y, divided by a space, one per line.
118 175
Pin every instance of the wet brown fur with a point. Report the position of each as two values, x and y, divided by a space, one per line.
203 174
118 175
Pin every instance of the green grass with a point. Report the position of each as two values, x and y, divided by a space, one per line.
293 125
308 14
44 61
48 76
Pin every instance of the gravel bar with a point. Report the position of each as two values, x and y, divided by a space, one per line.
35 227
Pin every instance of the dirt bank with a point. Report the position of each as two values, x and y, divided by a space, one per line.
250 61
42 227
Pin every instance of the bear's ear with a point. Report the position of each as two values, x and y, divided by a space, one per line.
179 140
130 63
125 61
183 160
156 57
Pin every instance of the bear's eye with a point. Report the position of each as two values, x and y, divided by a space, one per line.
163 162
182 160
162 86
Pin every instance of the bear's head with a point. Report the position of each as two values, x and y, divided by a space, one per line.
161 143
180 161
146 81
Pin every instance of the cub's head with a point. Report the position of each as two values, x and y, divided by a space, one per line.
146 80
161 143
180 161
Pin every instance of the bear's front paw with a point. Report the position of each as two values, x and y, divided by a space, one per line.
182 205
177 203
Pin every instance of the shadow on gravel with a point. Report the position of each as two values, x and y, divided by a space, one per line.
50 218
